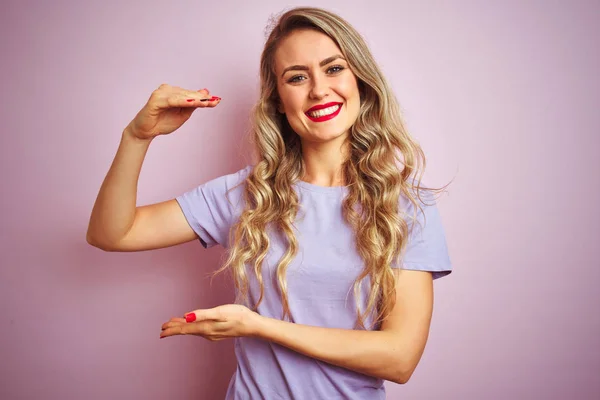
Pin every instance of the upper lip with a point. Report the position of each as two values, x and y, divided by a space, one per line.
321 106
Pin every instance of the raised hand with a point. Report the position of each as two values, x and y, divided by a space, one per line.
167 109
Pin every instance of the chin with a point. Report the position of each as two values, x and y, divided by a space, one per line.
324 137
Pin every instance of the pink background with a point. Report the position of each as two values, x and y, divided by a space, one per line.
504 96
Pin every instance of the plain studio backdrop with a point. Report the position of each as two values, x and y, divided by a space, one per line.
502 95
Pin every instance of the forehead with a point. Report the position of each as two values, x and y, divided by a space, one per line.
304 47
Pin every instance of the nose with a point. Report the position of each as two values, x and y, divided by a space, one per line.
319 88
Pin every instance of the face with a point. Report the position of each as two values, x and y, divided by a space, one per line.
318 92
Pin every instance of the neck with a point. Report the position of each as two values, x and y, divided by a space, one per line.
323 163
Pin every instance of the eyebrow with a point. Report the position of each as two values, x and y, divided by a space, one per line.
305 68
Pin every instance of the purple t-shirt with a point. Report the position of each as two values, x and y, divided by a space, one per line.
320 286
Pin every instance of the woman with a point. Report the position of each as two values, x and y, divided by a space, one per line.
331 248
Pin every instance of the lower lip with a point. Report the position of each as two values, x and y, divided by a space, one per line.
325 117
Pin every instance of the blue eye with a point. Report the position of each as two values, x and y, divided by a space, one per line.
334 69
294 79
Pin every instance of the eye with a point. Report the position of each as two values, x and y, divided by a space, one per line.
335 69
296 79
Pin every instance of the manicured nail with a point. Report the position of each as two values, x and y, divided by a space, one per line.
190 100
190 317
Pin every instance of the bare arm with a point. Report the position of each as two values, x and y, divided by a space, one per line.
392 353
116 223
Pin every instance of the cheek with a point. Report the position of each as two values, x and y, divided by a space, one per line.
352 96
291 102
349 89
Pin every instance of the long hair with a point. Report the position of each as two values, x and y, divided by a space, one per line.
383 163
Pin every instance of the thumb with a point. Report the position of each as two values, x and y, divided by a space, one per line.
190 317
202 315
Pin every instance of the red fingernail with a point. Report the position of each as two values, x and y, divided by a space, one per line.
190 99
190 317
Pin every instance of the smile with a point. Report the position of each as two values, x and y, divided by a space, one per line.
324 114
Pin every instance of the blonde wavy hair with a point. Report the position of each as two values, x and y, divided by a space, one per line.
383 162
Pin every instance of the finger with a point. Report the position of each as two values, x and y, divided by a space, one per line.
188 99
211 314
210 101
202 95
195 102
204 329
168 90
173 328
172 97
173 323
172 331
162 100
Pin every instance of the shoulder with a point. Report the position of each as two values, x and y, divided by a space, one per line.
227 188
223 192
424 201
228 182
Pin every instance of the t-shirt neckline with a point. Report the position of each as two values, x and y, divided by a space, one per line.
321 189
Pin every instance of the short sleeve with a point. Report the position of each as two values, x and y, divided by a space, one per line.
426 249
212 208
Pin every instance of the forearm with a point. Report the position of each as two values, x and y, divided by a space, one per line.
373 353
114 210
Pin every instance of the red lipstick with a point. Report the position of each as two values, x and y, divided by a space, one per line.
322 106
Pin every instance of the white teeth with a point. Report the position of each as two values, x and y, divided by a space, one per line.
325 111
